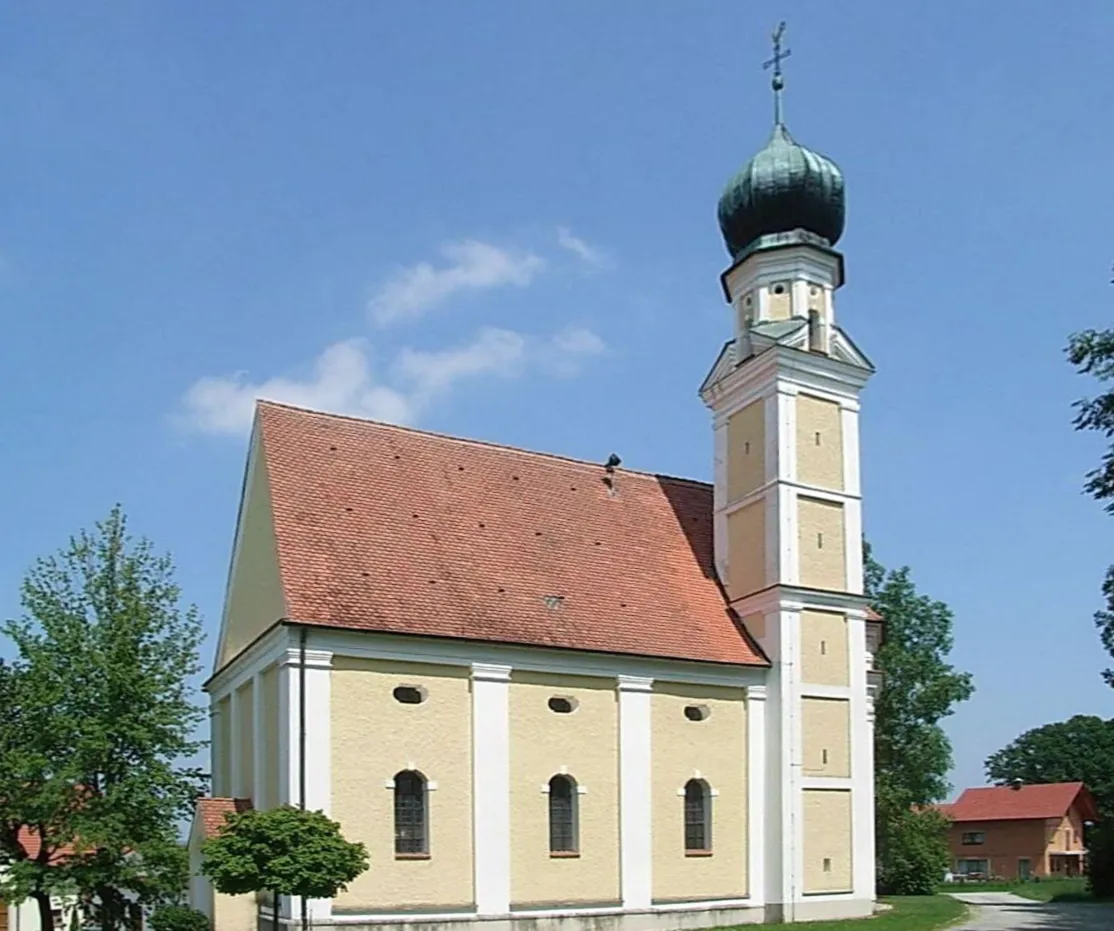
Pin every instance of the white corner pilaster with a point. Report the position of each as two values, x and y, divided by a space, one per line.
258 743
216 751
862 763
853 544
787 434
635 803
235 745
849 431
719 499
491 771
756 794
307 784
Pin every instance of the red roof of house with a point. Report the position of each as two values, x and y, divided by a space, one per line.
391 529
1005 803
32 843
211 812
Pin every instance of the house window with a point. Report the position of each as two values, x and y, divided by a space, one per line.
973 838
698 817
972 867
563 819
411 815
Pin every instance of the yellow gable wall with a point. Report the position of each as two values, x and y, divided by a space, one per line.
824 659
827 841
373 738
820 544
746 450
255 596
584 745
819 442
827 736
716 749
746 549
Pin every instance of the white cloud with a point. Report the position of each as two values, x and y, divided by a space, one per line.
471 265
578 247
342 380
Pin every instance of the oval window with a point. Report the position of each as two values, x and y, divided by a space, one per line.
409 695
562 705
697 712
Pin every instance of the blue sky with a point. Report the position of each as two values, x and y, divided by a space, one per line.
498 220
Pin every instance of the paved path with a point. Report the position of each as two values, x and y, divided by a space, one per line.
1002 911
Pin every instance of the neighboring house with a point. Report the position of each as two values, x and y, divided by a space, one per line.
25 915
226 912
1019 833
553 693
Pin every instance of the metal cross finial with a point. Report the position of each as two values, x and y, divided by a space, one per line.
778 82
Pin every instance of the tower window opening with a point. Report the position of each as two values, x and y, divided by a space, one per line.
823 647
827 864
824 757
746 447
779 289
820 541
817 437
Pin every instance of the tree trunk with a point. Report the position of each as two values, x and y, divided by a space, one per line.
46 915
275 910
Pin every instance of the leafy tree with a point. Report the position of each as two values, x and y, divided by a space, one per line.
1092 353
283 851
1080 749
912 753
179 918
106 653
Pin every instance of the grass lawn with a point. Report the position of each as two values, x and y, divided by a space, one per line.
909 913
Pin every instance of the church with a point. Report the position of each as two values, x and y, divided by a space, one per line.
554 694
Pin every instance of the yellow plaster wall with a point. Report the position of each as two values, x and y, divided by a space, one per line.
373 738
255 595
246 748
820 544
746 549
585 744
824 657
234 912
716 749
819 442
826 727
746 450
222 742
779 306
827 836
268 688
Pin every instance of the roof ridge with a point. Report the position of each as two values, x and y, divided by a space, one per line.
468 441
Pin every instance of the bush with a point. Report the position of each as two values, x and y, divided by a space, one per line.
916 856
1100 861
179 918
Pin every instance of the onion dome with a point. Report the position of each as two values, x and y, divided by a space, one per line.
784 188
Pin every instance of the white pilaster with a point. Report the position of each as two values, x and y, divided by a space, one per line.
853 544
787 433
635 805
849 430
756 794
491 765
862 763
259 744
235 745
316 777
216 751
719 499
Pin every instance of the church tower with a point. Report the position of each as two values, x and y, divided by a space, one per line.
784 394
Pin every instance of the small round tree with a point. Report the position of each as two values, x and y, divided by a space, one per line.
179 918
283 851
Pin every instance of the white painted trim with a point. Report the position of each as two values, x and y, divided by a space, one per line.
787 434
491 787
803 488
794 598
259 745
756 793
216 751
635 801
771 410
862 764
849 433
787 557
853 546
235 746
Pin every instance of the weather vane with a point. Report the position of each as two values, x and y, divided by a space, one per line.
778 83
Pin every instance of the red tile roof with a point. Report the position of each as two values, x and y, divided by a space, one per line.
1005 803
211 812
396 530
31 843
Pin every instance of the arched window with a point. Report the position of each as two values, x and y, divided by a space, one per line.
563 826
698 817
411 814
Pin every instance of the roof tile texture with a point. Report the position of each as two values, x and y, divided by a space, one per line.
390 529
1005 803
213 811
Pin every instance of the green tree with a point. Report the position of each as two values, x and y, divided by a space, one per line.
283 851
1080 749
179 918
912 753
106 654
1092 353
